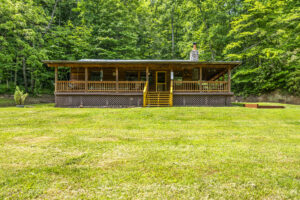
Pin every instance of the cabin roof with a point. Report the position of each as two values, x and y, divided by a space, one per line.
95 62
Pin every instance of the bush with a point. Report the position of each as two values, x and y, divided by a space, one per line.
19 96
294 82
4 89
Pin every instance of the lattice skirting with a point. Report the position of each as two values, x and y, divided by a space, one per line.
98 101
104 100
201 100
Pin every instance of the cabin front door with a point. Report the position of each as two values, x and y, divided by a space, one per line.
161 81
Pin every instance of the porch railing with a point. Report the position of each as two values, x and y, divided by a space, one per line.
100 86
200 86
139 86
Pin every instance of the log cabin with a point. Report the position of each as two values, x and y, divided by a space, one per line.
143 83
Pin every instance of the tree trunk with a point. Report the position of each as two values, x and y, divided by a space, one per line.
207 30
24 74
16 73
173 45
52 16
16 77
212 52
32 82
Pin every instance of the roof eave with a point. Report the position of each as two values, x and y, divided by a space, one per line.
56 63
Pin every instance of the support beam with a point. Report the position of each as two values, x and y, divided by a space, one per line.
56 78
229 79
200 74
200 78
218 75
171 77
86 75
117 79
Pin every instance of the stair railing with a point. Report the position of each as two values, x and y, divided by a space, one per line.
145 94
171 94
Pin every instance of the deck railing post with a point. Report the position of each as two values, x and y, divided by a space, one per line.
229 79
171 94
200 78
85 79
56 78
117 79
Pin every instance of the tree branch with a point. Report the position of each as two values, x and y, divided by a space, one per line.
52 16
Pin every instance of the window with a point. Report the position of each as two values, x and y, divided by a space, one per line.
195 76
96 76
178 76
143 76
132 76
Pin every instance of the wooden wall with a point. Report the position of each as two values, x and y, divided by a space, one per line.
77 73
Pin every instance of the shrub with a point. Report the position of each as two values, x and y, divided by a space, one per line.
19 96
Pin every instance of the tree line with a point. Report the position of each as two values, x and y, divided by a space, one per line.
263 34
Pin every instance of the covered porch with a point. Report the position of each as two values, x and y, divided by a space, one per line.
157 81
132 78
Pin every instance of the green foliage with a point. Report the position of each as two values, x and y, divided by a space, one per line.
20 96
263 34
294 82
266 39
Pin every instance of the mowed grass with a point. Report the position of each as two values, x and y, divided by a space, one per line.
149 153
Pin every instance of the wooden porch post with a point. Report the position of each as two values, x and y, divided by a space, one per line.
86 79
56 78
172 72
229 79
117 79
200 74
200 78
147 73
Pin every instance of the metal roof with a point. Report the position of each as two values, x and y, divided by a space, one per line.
107 61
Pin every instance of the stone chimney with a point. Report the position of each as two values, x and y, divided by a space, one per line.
194 54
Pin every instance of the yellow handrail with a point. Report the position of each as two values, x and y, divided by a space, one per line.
145 94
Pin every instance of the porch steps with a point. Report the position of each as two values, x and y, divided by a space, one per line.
158 99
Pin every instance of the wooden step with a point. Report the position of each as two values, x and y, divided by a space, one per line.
158 99
158 96
152 98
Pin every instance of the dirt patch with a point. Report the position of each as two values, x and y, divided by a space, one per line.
248 105
32 140
102 139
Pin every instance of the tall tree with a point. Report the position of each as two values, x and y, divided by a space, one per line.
266 39
263 34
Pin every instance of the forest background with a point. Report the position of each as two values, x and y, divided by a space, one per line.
263 34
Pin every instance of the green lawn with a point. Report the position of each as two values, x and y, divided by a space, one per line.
149 153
